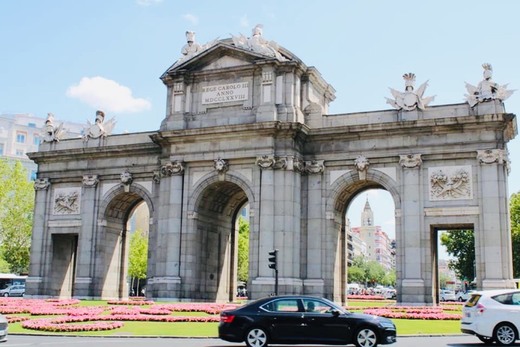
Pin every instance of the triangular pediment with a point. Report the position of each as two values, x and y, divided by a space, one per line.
221 55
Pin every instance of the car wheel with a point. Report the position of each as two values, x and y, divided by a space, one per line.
256 337
460 299
504 334
485 339
6 294
365 337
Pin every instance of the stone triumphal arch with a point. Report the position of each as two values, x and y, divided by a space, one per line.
247 124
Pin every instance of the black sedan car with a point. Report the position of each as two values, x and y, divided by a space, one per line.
303 319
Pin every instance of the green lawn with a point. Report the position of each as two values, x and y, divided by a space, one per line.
404 326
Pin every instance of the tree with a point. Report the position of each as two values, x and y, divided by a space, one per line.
514 211
138 257
16 215
368 272
243 250
461 245
355 274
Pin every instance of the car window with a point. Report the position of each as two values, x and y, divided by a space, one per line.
508 298
472 301
316 306
281 305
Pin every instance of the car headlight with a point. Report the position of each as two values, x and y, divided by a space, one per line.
387 325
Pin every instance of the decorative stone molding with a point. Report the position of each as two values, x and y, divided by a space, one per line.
90 181
490 156
314 167
410 161
156 177
267 77
41 184
265 161
450 183
66 201
221 165
362 164
173 168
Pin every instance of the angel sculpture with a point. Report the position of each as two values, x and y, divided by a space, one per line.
410 100
193 48
100 128
487 89
52 133
258 44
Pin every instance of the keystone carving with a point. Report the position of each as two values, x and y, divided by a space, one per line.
362 163
410 160
173 168
221 165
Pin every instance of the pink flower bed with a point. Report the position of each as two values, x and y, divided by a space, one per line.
95 318
403 312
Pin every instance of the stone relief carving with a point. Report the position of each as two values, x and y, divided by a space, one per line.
100 128
51 132
90 180
410 160
126 178
450 183
41 184
410 99
487 89
362 164
314 167
173 168
265 161
66 201
280 163
490 156
258 44
221 165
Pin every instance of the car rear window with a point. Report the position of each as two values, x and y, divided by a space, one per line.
508 299
472 301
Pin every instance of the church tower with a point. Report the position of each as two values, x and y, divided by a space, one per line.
367 216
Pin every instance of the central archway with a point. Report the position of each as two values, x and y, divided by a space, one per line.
216 208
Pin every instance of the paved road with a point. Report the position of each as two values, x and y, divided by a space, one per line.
48 341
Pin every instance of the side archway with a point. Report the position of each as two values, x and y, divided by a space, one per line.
112 242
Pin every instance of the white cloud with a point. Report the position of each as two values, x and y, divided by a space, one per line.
107 95
191 18
148 2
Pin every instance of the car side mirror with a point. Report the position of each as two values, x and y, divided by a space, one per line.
335 313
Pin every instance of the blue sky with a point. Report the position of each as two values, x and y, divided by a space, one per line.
58 54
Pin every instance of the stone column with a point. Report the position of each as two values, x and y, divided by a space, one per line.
165 280
86 259
280 210
314 283
493 250
39 238
410 286
267 110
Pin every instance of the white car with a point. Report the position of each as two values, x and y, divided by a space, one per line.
493 316
448 295
3 328
463 296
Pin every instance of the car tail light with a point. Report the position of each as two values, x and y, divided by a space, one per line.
226 318
480 309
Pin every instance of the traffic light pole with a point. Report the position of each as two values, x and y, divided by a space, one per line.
273 264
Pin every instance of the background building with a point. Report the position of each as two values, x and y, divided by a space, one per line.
371 241
22 133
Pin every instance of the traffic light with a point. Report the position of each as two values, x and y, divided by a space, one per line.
273 263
